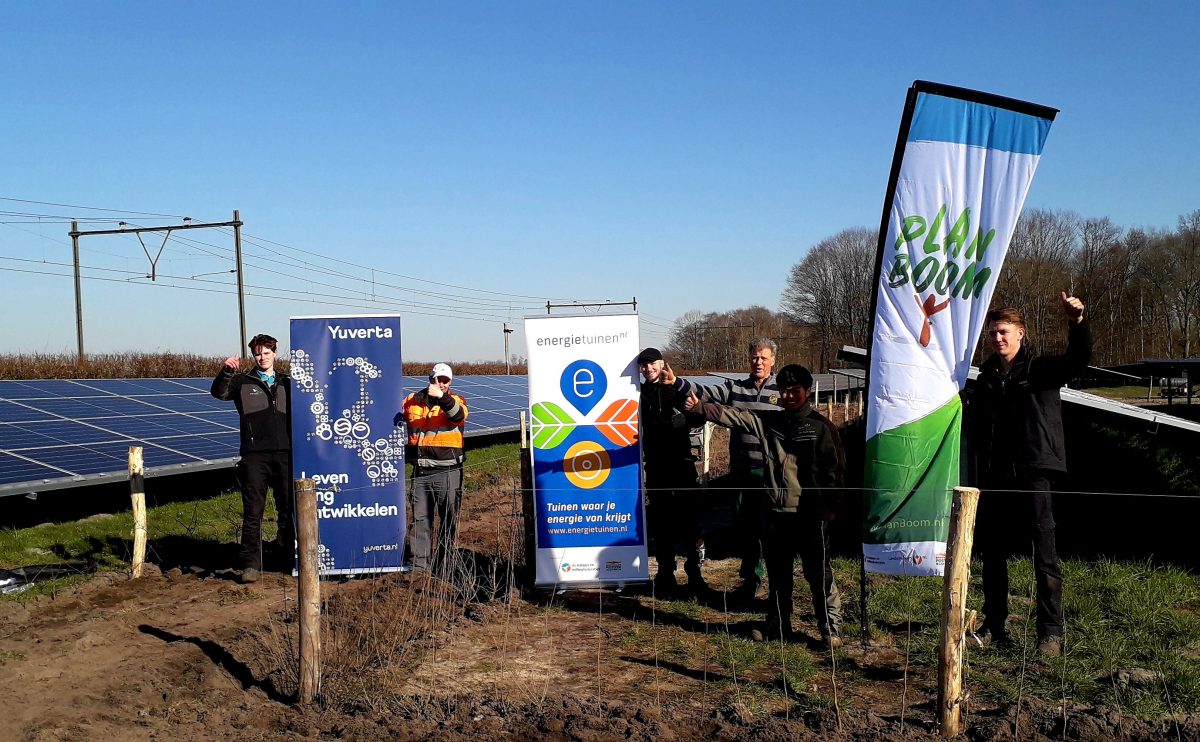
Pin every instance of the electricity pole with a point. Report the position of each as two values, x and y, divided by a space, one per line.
507 365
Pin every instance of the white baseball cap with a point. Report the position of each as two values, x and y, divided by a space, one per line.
441 369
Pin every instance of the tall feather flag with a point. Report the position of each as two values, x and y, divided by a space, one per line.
963 165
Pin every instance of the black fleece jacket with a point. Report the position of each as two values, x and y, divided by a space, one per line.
1017 415
263 410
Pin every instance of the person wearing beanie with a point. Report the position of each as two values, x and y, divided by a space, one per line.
670 478
803 470
435 418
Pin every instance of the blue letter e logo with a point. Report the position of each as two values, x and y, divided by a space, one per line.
583 384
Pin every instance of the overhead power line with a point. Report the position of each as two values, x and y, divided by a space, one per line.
90 208
377 286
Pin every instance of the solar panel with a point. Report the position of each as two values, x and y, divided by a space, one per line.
59 433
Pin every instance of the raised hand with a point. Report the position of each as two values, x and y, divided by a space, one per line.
692 402
1072 307
668 376
232 363
435 391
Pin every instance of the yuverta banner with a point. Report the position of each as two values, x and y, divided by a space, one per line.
346 389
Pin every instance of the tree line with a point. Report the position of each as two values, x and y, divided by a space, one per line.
1141 286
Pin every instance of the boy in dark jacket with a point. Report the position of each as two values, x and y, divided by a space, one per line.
261 396
670 476
804 468
1017 430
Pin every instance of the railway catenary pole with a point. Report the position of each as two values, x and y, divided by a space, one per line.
78 289
237 249
76 233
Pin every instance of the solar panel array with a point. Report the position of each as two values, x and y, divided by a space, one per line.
58 433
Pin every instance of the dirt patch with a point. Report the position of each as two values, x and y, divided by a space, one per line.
197 656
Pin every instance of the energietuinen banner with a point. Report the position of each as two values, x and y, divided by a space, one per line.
346 389
587 464
963 165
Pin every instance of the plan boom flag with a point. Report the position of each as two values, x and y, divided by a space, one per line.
963 165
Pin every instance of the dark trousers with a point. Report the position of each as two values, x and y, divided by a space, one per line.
674 521
437 492
750 508
258 471
1019 510
789 534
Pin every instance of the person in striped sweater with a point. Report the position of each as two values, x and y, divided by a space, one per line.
758 391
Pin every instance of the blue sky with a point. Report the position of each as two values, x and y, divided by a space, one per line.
483 157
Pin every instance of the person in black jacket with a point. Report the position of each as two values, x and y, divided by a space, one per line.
670 477
261 396
1018 434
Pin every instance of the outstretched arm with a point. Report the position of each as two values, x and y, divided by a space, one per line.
728 417
720 394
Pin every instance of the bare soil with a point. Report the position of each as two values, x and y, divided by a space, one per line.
190 654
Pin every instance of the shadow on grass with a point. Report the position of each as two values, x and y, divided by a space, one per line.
184 552
632 608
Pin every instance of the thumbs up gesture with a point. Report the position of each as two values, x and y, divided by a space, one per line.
1072 307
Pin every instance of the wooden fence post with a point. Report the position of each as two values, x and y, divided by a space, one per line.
530 551
309 590
137 493
954 603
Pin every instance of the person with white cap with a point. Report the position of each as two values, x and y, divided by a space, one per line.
434 417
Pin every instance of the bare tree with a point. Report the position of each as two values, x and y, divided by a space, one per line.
719 340
1038 264
1097 263
685 344
830 289
1142 288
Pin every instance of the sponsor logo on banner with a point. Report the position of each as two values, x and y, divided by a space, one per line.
584 432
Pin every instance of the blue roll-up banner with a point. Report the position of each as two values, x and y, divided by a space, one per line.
346 380
587 463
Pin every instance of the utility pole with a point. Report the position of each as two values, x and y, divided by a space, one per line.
237 249
507 364
76 233
78 289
